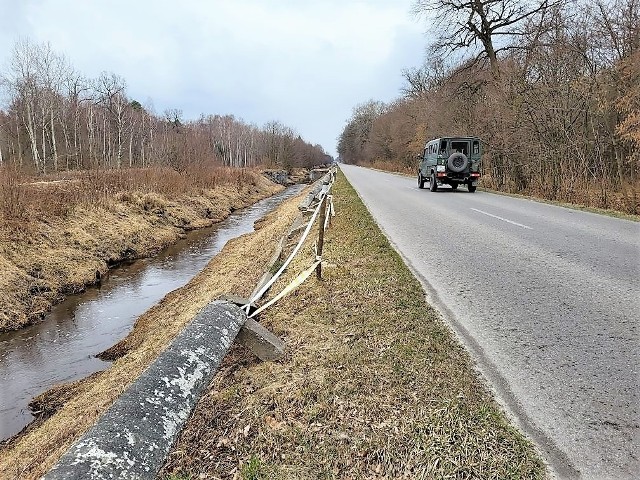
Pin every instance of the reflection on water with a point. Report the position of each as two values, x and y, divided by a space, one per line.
62 348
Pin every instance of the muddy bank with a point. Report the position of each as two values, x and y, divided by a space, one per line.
42 262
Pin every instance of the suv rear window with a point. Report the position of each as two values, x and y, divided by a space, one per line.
462 147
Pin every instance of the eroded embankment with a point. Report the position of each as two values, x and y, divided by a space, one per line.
51 257
235 270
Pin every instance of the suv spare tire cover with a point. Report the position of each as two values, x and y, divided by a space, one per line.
457 162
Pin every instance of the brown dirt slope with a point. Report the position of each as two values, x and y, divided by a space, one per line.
235 270
53 256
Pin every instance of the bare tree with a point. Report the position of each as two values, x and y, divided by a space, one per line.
486 26
352 141
111 95
22 83
421 80
618 22
77 89
56 118
53 70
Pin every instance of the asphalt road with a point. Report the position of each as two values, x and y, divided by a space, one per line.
546 299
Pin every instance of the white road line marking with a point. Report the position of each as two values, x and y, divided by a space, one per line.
503 219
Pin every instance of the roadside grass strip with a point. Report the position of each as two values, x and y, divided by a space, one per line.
373 383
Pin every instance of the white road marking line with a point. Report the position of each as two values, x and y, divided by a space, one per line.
503 219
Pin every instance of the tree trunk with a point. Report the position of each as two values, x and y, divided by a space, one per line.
32 137
92 135
131 149
67 142
20 159
76 153
620 172
53 142
119 138
119 151
104 139
44 142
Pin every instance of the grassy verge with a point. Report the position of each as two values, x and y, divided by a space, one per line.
373 384
575 206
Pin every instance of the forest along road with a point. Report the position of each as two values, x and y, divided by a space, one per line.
547 301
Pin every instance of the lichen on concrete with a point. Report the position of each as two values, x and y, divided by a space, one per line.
134 435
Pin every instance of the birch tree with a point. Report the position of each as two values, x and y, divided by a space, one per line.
77 93
21 81
111 95
57 119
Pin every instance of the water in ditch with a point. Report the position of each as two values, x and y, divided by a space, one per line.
63 346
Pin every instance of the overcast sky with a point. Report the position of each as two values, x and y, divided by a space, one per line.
303 63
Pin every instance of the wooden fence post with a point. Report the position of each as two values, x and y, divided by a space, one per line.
323 215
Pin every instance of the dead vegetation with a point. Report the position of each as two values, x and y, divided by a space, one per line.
373 383
60 235
76 407
556 104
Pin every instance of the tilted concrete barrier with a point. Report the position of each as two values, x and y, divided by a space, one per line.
133 437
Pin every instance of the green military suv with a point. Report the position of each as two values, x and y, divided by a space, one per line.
450 161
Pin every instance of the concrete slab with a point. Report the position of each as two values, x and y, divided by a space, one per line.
132 439
264 344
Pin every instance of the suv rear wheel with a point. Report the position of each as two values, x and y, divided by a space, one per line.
433 186
421 180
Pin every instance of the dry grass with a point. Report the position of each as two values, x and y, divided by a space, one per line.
57 194
587 206
235 270
59 236
389 166
598 195
373 383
